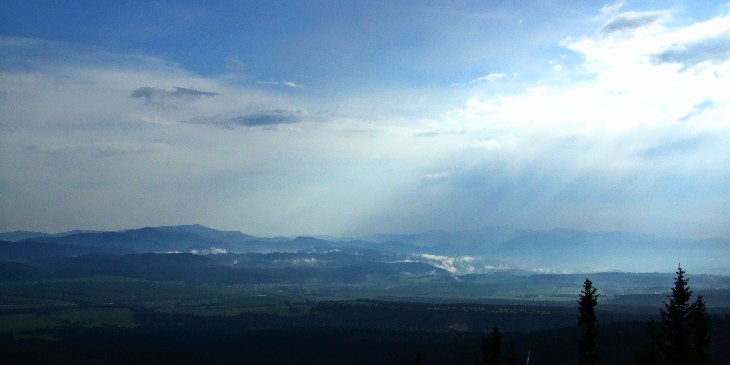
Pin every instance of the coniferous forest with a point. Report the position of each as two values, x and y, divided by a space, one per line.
344 304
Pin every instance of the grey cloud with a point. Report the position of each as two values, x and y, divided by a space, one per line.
156 96
268 117
264 118
437 133
84 150
630 21
677 146
715 48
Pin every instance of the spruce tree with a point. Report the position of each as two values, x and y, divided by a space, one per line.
675 321
650 351
700 328
511 353
587 301
492 347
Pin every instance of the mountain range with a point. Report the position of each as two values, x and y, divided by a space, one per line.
462 252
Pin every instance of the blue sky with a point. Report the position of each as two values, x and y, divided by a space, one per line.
318 43
343 118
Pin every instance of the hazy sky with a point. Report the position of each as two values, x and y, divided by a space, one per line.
344 117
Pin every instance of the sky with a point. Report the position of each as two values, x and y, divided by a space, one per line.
361 117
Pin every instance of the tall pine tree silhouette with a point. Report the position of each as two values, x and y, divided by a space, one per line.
587 301
511 353
675 321
492 348
700 337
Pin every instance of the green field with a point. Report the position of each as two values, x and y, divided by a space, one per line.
81 317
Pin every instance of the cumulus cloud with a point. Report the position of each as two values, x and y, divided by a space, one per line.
627 91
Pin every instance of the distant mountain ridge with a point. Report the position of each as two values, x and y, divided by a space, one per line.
462 252
22 235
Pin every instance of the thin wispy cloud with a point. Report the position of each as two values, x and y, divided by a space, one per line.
679 146
611 10
631 21
436 176
714 48
290 84
264 118
157 96
489 77
698 109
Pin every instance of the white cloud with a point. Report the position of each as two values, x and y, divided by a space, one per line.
436 175
454 265
610 10
627 88
290 84
488 78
